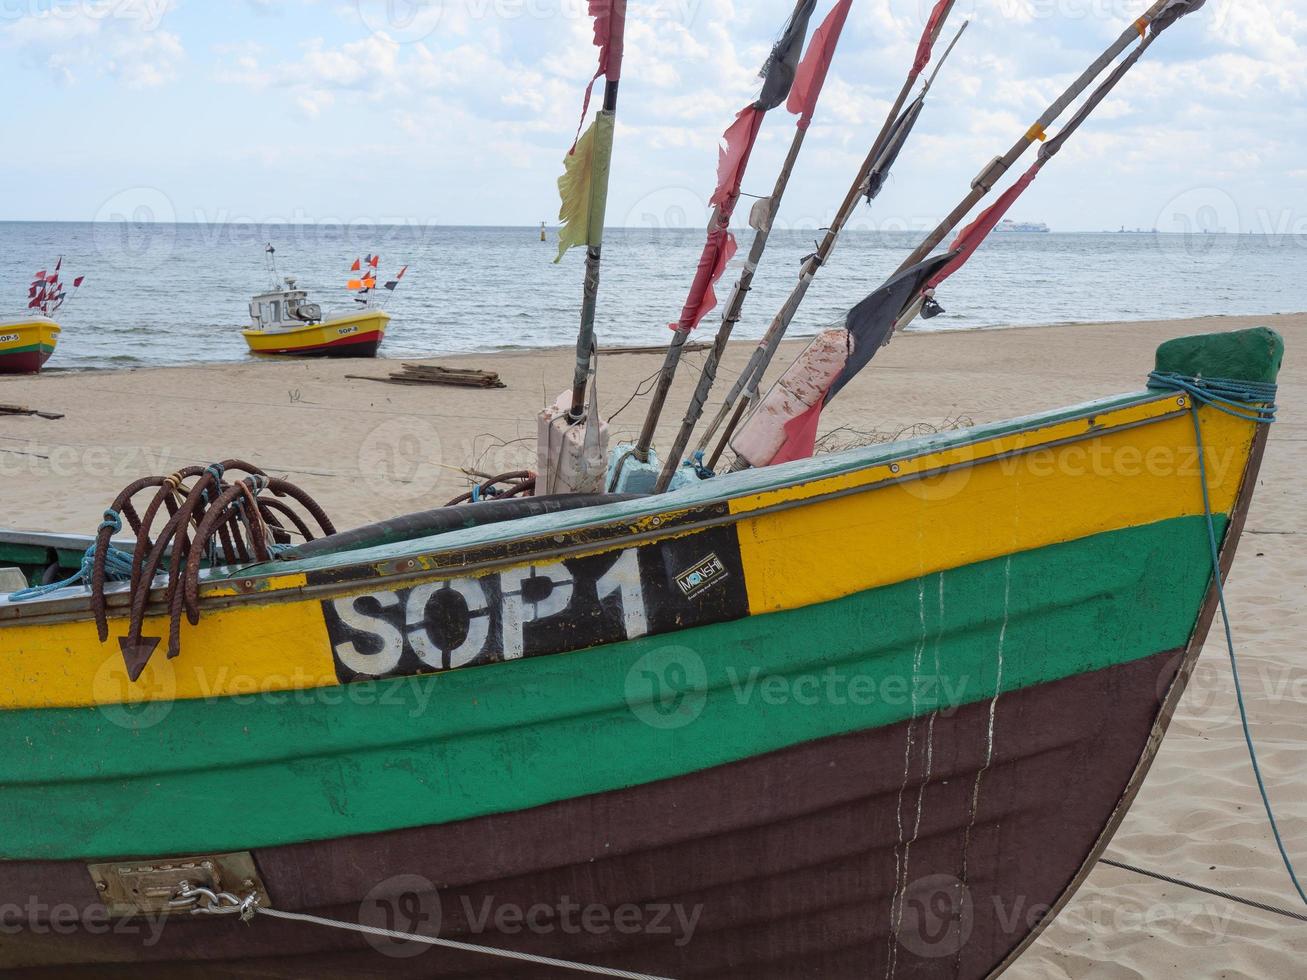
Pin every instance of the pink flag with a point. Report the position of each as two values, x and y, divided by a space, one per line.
927 44
733 157
811 74
972 235
610 38
800 435
717 252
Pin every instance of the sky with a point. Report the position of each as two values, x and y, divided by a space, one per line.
460 111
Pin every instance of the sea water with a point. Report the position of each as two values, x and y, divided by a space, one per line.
176 294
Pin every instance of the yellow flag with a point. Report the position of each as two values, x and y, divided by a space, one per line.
584 186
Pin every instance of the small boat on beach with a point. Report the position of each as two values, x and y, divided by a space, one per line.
285 322
25 345
27 342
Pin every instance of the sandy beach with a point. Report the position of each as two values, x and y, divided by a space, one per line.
368 450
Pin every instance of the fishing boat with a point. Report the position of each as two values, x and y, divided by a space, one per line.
877 712
25 345
27 342
283 321
840 713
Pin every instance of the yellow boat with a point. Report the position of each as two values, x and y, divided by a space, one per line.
357 335
283 321
27 344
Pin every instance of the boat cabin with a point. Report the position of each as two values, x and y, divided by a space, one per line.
283 308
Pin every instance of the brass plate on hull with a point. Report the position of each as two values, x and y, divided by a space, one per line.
149 887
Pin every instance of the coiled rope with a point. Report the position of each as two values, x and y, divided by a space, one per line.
117 564
1254 402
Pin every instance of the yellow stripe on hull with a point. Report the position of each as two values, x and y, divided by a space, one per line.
240 650
1037 490
25 333
888 522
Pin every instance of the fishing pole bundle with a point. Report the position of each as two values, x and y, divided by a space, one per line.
212 519
823 370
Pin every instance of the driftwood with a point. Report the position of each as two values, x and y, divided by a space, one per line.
423 374
662 349
24 410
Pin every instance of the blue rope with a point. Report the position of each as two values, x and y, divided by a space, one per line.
1254 402
117 565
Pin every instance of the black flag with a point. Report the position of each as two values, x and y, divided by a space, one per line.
778 73
898 137
1174 12
870 322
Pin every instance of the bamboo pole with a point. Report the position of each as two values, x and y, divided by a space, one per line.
746 384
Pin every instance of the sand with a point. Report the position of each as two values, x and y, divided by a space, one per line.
369 450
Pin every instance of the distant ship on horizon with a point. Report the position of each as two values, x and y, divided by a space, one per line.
1007 224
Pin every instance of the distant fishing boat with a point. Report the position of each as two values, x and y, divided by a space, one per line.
285 322
26 343
1035 227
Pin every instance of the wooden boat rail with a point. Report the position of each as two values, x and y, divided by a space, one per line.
640 521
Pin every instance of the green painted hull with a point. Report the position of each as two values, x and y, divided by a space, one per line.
268 769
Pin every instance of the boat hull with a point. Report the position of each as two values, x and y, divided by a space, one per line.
25 346
809 879
349 336
871 714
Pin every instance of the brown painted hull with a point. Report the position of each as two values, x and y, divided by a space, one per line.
808 862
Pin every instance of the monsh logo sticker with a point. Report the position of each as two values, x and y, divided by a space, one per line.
701 575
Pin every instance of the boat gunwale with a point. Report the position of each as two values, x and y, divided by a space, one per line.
268 583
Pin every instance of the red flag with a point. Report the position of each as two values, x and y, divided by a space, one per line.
972 235
610 38
733 156
58 262
358 264
401 273
374 261
927 43
717 252
78 282
800 435
811 74
40 276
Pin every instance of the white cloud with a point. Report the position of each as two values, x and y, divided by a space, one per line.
123 39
